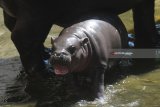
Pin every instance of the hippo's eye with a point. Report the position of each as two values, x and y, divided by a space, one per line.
72 49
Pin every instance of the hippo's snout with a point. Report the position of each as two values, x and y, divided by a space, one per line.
60 58
59 55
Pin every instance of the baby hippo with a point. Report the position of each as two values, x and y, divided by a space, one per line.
86 46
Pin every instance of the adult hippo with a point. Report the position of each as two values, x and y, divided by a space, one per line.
31 20
86 48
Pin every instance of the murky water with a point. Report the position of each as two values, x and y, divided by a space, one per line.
131 86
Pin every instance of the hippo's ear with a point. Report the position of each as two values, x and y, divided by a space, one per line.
84 41
52 40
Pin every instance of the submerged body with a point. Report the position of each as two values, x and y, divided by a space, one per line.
86 47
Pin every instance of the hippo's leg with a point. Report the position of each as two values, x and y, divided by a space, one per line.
98 82
9 21
144 24
28 37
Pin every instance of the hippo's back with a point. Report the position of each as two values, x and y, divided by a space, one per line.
105 29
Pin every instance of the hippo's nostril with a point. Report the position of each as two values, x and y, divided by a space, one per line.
60 56
56 54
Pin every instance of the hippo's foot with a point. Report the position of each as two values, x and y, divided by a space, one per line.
97 98
98 94
101 100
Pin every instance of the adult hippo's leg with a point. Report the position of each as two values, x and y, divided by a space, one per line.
9 21
144 24
28 37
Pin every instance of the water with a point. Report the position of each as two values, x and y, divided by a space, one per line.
139 88
131 86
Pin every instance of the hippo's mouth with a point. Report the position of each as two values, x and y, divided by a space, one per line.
61 70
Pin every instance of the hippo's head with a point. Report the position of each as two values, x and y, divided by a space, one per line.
68 53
